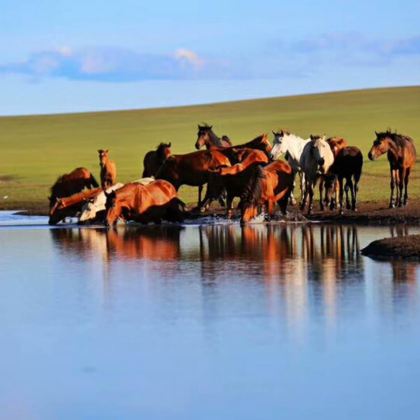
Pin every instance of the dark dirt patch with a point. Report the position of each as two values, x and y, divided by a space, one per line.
8 178
404 247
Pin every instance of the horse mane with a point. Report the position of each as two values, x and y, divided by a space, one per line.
160 148
397 138
252 191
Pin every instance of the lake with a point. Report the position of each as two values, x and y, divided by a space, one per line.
209 321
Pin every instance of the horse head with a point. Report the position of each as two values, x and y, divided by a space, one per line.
321 153
203 136
103 156
279 146
380 145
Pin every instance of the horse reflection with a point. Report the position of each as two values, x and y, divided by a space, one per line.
148 242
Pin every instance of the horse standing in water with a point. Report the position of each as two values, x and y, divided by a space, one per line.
315 161
401 154
291 146
144 203
266 186
153 160
207 137
71 183
108 169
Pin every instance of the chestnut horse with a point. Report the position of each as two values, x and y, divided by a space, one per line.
347 166
144 203
401 154
153 160
232 178
108 169
207 137
336 144
267 186
71 183
192 168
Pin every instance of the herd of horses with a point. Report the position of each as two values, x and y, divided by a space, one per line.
260 173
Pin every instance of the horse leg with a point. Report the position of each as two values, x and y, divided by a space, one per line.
321 191
401 177
304 197
353 197
347 187
340 194
392 185
200 189
302 189
311 197
407 175
229 200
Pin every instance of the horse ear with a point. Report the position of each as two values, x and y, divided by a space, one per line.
274 133
170 144
106 151
376 133
210 127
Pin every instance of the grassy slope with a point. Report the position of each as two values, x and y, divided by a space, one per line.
35 149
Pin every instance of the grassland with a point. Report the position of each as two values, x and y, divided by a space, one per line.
36 149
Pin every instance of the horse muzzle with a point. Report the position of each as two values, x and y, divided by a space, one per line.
371 156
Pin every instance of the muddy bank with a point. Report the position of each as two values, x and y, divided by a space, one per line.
404 247
369 213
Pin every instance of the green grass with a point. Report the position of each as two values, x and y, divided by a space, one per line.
36 149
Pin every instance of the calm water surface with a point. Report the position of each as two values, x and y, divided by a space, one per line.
206 322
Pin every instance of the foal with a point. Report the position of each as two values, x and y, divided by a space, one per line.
108 169
401 155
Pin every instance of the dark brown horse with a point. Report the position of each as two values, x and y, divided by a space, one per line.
267 186
232 179
401 154
70 206
144 203
153 160
347 166
71 183
192 168
207 137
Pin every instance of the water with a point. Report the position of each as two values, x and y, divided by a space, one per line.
206 322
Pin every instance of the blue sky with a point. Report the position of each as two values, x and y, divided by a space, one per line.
70 56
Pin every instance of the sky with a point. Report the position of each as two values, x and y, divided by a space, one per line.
73 56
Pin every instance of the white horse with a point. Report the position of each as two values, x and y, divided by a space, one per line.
291 146
315 161
97 204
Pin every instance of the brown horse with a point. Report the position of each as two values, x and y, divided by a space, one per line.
207 137
70 206
401 154
192 168
267 186
71 183
347 166
144 203
153 160
232 179
108 169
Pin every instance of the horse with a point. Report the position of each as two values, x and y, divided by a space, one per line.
94 208
108 169
191 168
266 186
71 183
154 159
231 179
70 206
315 161
144 203
291 146
207 137
347 166
401 154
